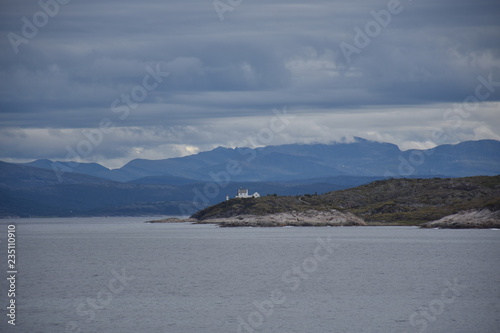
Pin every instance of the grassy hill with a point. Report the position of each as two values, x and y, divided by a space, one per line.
393 201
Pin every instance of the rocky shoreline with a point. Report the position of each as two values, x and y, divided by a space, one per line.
479 219
391 202
330 217
173 220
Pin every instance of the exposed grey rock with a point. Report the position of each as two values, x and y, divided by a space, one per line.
173 220
484 218
311 217
387 202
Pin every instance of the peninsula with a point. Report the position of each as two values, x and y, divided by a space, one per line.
455 202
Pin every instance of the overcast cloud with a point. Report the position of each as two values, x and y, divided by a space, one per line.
225 77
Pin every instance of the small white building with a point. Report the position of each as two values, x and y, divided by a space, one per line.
243 194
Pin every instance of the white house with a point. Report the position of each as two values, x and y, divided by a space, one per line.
243 193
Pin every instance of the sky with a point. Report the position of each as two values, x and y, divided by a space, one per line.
111 81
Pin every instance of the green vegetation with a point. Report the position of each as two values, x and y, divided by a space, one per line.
386 202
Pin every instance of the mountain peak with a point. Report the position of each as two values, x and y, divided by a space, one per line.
221 148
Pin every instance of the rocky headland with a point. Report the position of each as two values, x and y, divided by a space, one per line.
481 219
312 218
468 202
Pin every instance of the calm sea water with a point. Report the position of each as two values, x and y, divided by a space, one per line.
122 275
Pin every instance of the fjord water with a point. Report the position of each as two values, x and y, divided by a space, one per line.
123 275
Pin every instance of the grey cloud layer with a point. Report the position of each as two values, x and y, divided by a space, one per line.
264 54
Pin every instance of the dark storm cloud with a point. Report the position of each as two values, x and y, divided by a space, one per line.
264 54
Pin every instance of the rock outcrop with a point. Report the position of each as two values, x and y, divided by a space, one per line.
173 220
484 218
330 217
387 202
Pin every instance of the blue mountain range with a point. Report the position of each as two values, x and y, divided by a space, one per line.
179 186
302 161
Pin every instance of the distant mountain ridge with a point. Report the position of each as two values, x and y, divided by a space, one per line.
31 191
300 161
91 169
184 185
